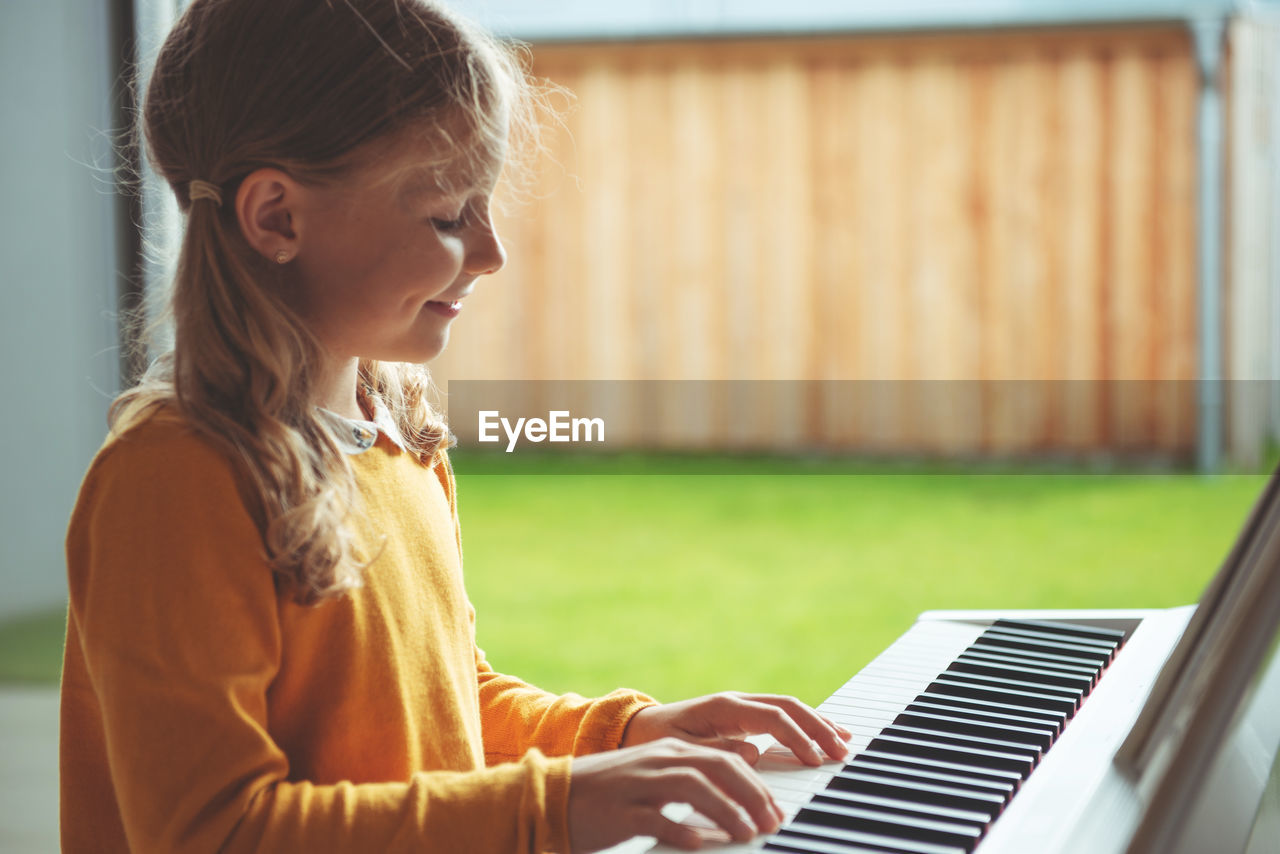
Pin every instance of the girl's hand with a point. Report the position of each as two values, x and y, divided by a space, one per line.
619 794
721 721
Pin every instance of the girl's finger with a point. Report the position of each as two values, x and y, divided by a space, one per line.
693 787
758 717
748 751
668 832
841 731
827 735
733 777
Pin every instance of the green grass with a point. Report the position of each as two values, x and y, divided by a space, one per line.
681 584
685 584
31 648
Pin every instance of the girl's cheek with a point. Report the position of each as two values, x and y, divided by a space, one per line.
449 251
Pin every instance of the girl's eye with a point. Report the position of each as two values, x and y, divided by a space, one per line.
449 224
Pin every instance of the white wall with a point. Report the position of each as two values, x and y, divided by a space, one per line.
586 19
57 257
1253 242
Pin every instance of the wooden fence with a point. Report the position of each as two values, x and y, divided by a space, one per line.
1012 214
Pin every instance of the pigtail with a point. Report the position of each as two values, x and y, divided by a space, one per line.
238 374
241 376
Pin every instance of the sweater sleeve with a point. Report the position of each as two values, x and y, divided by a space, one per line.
518 717
174 612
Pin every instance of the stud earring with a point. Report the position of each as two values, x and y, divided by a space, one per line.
282 257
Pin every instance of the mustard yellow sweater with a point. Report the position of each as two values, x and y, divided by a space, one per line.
202 710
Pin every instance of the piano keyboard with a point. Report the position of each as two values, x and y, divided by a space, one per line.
949 721
950 757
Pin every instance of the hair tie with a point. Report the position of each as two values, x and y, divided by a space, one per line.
204 190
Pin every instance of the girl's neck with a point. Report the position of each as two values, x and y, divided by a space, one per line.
335 389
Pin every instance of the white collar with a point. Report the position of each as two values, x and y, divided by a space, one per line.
356 436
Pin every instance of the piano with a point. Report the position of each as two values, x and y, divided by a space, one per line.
1049 732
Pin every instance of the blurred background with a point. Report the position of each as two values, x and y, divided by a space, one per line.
1050 229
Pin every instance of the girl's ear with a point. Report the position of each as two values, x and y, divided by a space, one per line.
265 207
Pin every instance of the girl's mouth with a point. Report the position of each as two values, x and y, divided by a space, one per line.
448 309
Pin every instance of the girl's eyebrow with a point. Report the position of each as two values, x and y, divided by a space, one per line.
419 184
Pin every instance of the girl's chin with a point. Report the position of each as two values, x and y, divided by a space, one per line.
418 353
432 349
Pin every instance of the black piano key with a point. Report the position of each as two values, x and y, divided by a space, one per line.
1038 655
1073 629
964 836
1040 739
1013 641
1018 659
801 845
964 769
1014 683
978 691
1054 719
932 794
1043 728
970 664
901 806
1065 663
824 838
917 775
942 736
815 846
1031 642
1057 637
1018 763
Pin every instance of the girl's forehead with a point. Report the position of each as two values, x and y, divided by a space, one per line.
415 177
438 158
452 152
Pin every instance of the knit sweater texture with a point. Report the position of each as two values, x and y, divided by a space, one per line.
203 710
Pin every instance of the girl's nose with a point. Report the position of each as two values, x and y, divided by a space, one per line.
487 254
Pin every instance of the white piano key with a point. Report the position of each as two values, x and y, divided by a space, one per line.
858 700
869 708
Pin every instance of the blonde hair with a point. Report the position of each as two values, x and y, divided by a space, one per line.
316 89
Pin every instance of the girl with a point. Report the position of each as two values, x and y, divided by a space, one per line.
269 647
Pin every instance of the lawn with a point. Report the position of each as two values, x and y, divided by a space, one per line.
751 576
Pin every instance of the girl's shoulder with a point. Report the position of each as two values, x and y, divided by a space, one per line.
162 431
163 510
161 449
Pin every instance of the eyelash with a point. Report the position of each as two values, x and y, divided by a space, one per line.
449 224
